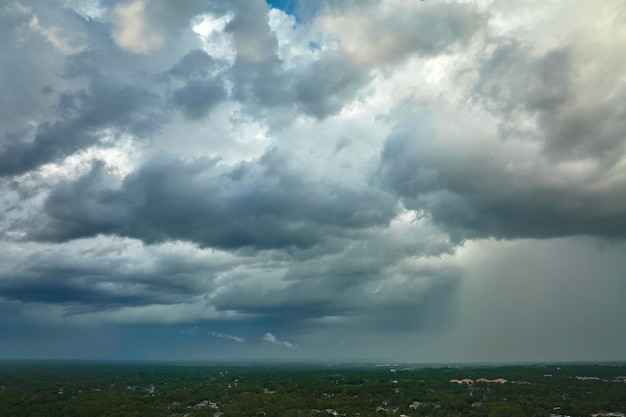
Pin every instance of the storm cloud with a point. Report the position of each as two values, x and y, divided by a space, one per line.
267 203
360 180
536 152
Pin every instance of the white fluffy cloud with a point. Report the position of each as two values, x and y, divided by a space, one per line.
272 340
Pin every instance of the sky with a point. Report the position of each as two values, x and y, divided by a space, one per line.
377 180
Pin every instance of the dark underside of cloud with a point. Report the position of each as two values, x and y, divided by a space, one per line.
479 201
569 183
86 116
263 204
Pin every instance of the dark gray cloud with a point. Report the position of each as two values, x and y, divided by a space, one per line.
328 84
91 94
99 278
22 79
257 68
548 169
88 113
203 89
252 37
324 86
480 197
342 144
266 203
362 282
25 138
440 27
197 98
81 101
358 281
113 102
318 89
110 103
574 122
196 64
512 78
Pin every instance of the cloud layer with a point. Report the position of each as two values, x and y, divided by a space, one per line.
341 181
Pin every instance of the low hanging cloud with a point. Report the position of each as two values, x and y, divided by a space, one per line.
105 274
262 204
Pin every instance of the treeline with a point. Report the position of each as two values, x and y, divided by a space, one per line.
94 390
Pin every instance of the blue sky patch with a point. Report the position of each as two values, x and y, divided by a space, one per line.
288 6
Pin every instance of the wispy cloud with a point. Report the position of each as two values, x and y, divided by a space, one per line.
191 330
228 337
